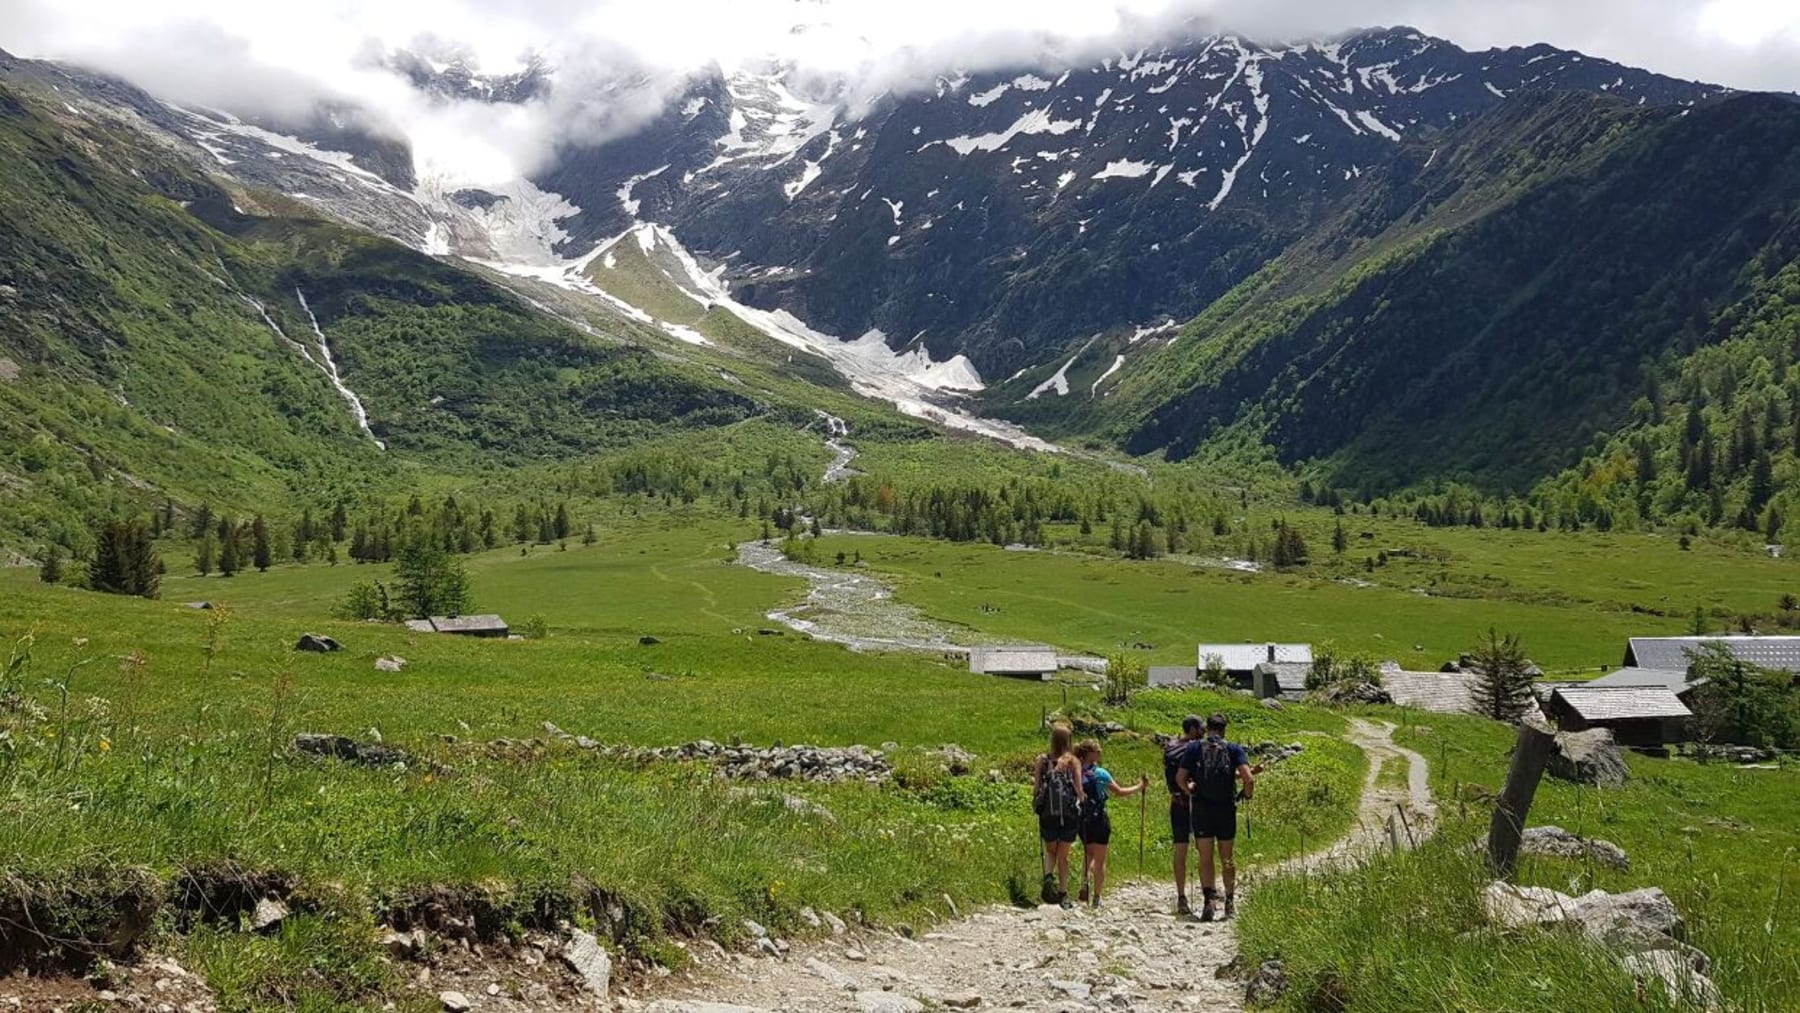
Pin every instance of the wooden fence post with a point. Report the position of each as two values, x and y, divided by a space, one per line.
1531 753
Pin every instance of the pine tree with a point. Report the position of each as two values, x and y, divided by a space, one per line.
1338 541
1502 688
431 581
203 521
339 518
203 555
51 570
124 560
1289 549
562 521
259 552
588 537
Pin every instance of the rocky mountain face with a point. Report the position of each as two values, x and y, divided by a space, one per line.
1007 214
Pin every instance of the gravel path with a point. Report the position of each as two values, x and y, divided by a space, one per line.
1130 955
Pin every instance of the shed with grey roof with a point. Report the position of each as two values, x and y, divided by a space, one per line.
1173 677
1240 660
1279 680
1672 654
1637 715
1034 661
465 626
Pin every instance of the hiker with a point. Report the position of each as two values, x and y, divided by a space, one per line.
1097 785
1181 820
1208 771
1056 796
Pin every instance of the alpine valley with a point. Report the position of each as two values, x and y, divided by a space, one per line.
1380 261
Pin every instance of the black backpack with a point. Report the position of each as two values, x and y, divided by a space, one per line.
1174 751
1215 774
1056 797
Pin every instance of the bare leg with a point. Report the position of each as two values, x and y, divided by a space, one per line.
1228 866
1062 866
1096 870
1181 868
1205 845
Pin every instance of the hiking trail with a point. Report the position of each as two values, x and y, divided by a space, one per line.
1130 955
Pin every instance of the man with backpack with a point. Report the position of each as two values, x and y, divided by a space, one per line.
1181 819
1214 775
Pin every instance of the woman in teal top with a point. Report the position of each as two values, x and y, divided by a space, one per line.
1096 825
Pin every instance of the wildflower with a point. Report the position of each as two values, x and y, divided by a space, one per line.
105 746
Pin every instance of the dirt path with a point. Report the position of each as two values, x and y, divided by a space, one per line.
1130 955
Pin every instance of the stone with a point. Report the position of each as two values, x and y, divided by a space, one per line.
957 760
404 945
493 988
855 956
811 918
838 927
888 1002
830 975
693 1006
1555 842
1073 989
200 606
755 929
268 915
1055 937
389 663
585 956
317 644
1273 704
1267 984
962 1000
648 641
455 1002
1590 757
1680 979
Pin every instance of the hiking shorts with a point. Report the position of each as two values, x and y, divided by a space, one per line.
1215 821
1052 830
1097 830
1181 822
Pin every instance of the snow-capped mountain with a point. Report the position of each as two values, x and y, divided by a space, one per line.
1007 216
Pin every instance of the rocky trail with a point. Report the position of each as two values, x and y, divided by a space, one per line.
1132 954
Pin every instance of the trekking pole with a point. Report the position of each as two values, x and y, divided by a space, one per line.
1143 817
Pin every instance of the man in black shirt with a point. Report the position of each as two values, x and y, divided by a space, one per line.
1181 820
1214 774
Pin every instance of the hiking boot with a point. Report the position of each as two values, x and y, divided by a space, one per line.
1181 907
1064 903
1049 893
1083 895
1206 912
1230 906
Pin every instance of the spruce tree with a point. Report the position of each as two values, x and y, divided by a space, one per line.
562 521
124 560
431 581
228 555
203 555
1502 688
259 552
51 570
1338 541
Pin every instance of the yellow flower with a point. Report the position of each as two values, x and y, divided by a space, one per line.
105 746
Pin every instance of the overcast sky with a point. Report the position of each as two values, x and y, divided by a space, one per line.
283 56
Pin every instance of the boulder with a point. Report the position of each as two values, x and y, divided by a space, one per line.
1637 919
404 945
1267 984
455 1002
317 644
389 663
887 1002
1555 842
1590 757
1272 704
1514 907
648 641
957 760
586 958
693 1006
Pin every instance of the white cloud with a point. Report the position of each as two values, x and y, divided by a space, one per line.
618 60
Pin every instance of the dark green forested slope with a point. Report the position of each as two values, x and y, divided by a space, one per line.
137 364
1494 303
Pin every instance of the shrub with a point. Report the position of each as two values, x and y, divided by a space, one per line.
367 599
1331 666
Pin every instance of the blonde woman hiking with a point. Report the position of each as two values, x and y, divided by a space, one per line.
1057 797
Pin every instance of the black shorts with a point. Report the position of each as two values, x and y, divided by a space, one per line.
1181 822
1097 830
1059 831
1215 820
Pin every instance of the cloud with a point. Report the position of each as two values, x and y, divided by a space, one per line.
619 60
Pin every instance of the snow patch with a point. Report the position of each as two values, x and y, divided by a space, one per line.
989 97
1037 121
1125 168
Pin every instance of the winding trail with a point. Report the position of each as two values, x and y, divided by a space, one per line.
1130 955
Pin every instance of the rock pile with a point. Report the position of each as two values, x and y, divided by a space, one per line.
1590 757
749 763
1268 754
1349 691
317 643
1641 925
340 747
1736 754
